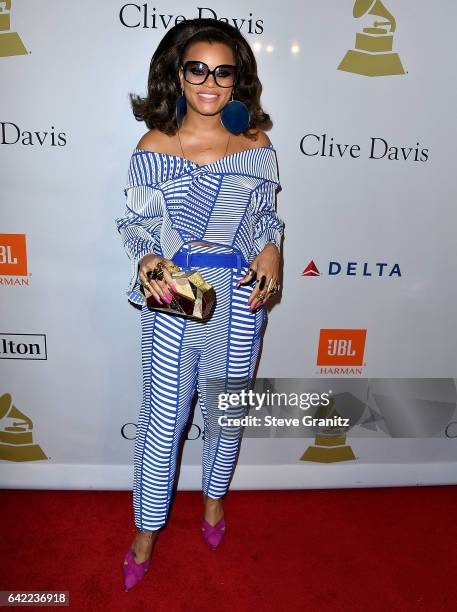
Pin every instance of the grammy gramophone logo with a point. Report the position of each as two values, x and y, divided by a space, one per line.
16 439
10 42
330 441
373 54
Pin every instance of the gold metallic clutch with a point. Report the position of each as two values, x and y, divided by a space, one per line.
194 297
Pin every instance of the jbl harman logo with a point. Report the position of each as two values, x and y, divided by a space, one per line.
13 255
6 255
341 347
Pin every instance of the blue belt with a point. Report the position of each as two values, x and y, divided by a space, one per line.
209 260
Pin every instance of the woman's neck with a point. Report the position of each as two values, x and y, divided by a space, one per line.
203 125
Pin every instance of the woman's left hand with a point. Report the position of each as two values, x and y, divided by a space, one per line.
266 266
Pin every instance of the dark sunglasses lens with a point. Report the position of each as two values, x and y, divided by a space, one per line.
197 72
225 76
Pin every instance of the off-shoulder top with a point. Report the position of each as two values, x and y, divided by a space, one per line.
171 200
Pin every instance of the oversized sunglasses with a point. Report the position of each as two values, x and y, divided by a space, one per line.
196 73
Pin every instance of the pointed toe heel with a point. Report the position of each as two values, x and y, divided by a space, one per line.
213 534
133 572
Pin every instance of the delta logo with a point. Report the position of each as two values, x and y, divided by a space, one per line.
354 268
341 351
13 260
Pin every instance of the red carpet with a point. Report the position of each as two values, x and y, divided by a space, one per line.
346 549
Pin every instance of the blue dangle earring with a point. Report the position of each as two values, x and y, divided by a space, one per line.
181 108
235 116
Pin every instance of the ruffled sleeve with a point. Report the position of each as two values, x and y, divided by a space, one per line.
141 221
268 226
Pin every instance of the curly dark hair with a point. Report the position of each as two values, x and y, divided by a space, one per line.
157 109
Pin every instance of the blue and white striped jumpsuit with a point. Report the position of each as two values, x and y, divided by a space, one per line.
171 201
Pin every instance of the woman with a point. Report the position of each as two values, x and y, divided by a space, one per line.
201 190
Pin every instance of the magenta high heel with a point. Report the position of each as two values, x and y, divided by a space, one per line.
134 572
213 534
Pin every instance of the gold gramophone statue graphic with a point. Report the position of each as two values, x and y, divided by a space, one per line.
16 440
330 442
10 42
373 55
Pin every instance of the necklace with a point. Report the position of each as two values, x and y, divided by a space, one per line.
182 151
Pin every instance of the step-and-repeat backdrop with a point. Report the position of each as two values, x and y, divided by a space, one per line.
362 96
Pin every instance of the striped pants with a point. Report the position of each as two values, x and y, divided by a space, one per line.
179 356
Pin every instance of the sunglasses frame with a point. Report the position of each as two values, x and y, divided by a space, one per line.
213 72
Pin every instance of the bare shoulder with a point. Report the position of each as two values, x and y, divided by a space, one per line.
154 140
258 139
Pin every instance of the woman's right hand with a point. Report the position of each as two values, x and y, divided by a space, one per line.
160 289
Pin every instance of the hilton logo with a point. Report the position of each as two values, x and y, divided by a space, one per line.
23 346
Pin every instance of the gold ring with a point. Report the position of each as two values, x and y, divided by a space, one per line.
273 287
157 272
172 268
261 296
